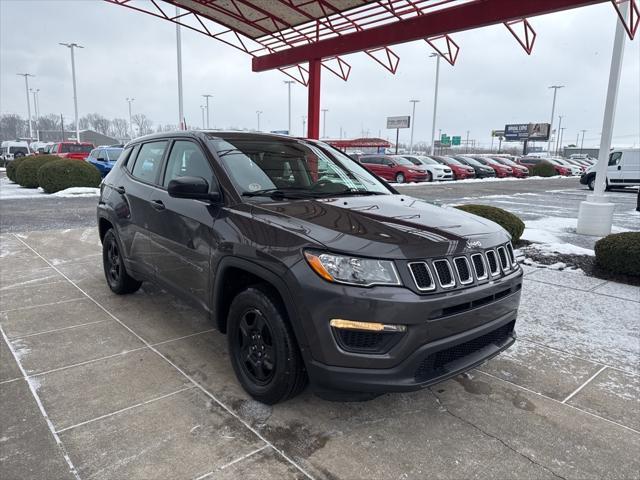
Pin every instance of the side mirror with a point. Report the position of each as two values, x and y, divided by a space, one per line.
101 159
191 187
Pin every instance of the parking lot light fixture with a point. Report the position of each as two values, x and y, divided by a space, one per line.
26 85
553 111
36 111
558 130
130 101
72 47
435 102
413 123
258 113
289 83
207 96
324 122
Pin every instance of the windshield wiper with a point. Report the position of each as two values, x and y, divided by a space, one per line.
281 193
354 191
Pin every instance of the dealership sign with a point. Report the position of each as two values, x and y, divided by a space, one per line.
527 131
398 122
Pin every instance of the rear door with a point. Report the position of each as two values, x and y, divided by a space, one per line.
614 168
181 230
630 171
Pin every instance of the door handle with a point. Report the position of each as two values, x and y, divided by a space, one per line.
157 204
619 167
120 190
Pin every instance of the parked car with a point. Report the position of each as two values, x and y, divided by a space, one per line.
531 162
50 148
104 158
581 165
482 171
623 170
460 171
501 170
346 283
575 170
436 170
13 149
519 171
394 168
72 150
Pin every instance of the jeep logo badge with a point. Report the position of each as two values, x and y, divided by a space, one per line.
471 244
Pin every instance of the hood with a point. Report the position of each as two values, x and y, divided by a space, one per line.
383 226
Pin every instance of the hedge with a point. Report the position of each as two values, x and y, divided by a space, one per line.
506 220
27 171
619 253
543 169
12 167
64 173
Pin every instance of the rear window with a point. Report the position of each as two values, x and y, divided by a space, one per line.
149 161
75 148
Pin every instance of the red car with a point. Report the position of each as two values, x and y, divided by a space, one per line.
460 171
531 162
72 150
519 171
502 170
394 169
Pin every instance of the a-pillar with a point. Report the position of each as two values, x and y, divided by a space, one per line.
313 112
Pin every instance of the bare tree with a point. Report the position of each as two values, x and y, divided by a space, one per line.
50 122
12 126
143 123
119 128
166 128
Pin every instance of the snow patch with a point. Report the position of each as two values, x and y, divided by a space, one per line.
478 180
77 192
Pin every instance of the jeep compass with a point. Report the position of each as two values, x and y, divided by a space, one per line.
315 268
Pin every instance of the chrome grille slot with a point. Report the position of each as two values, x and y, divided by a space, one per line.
422 276
512 255
492 261
479 266
464 270
504 262
444 273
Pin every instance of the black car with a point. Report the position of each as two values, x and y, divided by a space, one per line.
482 171
314 268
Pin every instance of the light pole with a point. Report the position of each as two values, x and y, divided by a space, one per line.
304 125
324 122
207 96
26 86
258 112
181 122
72 46
435 101
582 141
288 83
202 108
467 142
561 136
413 123
130 101
553 111
36 111
558 133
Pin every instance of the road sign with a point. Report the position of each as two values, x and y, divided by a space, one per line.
445 140
398 122
497 133
455 140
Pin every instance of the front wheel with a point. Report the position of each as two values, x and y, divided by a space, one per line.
400 178
592 183
118 279
429 177
263 350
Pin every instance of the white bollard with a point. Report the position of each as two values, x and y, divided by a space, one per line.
595 216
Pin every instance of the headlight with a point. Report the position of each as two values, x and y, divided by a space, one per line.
363 272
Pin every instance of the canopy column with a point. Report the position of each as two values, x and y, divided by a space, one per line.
313 107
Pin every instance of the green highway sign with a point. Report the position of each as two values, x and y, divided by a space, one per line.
445 139
455 140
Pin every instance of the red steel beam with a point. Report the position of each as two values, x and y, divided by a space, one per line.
313 104
480 13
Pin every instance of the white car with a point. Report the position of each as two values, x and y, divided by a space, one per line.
437 171
623 169
13 149
575 170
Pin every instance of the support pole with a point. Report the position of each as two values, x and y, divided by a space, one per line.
181 123
397 138
435 103
595 216
313 107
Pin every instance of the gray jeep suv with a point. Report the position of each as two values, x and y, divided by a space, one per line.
316 269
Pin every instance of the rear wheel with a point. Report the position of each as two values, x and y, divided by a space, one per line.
263 349
592 182
400 177
429 177
115 272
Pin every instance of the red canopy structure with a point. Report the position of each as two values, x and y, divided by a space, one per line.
298 37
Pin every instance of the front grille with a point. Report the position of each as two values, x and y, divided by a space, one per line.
503 258
359 341
444 273
512 255
464 272
493 262
422 276
479 267
435 364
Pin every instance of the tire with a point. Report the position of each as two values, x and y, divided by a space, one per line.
115 273
591 183
263 350
400 177
429 177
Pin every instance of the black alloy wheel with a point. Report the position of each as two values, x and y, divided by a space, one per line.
115 272
255 341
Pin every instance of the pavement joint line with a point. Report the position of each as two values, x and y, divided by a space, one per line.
204 390
20 337
595 362
233 462
43 305
589 380
36 397
560 402
533 279
11 380
130 407
33 285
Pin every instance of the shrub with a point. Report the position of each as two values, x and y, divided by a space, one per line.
64 173
543 169
506 220
12 166
27 171
619 253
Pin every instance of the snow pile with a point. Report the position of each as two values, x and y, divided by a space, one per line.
13 191
78 192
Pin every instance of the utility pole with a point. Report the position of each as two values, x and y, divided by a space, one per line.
558 133
413 123
36 111
258 112
561 137
467 142
130 101
181 122
207 96
435 102
582 142
324 122
288 83
62 127
26 86
553 111
72 46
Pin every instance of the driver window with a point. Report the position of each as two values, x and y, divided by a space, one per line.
614 158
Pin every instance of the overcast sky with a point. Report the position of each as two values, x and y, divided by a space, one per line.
130 54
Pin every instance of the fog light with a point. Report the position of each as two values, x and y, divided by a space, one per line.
369 326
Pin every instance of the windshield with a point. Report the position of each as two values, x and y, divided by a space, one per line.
450 161
428 161
113 153
76 148
472 161
507 161
403 161
257 165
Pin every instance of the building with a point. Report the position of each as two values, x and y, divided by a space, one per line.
90 136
